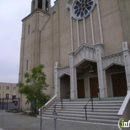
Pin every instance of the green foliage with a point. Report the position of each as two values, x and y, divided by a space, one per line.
35 83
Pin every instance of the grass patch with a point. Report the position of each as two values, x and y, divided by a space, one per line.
30 113
14 111
27 113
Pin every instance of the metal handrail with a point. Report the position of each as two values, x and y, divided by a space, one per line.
55 105
61 100
44 107
68 93
91 99
85 106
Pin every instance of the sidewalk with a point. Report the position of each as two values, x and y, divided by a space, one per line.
12 121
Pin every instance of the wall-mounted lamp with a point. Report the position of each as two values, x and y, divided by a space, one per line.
91 69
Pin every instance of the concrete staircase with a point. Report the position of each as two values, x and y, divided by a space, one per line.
105 111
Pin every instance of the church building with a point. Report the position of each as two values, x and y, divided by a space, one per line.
83 44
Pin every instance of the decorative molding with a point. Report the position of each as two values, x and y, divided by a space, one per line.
125 46
68 4
63 70
81 46
109 60
84 52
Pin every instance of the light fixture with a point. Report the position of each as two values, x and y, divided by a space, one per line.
91 69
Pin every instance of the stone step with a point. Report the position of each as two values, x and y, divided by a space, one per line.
105 111
84 102
88 107
83 113
107 121
83 116
89 110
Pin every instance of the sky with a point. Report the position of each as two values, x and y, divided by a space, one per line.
11 14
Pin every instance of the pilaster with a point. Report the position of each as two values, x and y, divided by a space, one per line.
73 78
36 4
101 72
56 81
126 56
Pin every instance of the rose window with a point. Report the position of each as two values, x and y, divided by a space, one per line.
82 8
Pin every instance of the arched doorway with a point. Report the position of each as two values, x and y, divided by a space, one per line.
87 80
65 87
119 84
116 81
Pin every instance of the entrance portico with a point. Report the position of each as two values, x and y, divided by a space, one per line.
83 85
90 53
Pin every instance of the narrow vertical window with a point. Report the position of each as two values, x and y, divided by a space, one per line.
33 5
40 4
28 29
47 3
27 65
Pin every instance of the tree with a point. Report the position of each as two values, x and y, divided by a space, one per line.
32 88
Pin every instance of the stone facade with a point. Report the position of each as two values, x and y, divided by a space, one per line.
92 45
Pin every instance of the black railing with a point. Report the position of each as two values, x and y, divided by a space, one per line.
61 101
90 100
67 95
85 107
55 105
9 103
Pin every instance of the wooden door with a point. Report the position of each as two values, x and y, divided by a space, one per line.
119 84
94 86
80 88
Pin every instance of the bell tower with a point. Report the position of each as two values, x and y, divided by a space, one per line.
32 26
40 4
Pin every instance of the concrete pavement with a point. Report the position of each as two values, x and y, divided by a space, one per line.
14 121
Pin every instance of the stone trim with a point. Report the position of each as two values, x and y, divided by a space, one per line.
109 60
84 52
63 71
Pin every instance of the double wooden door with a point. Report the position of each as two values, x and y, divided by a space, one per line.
94 86
80 88
119 84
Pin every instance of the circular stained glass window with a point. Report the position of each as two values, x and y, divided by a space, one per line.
82 8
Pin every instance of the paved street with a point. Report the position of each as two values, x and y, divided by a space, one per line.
12 121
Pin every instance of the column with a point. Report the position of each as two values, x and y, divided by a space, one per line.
73 77
56 81
126 57
32 6
43 5
101 72
36 4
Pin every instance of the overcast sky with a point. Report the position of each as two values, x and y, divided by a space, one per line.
11 14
